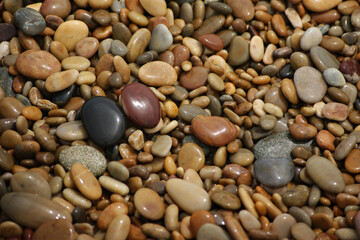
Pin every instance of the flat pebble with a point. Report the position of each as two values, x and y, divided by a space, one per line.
226 200
161 146
335 111
325 174
274 172
71 32
71 131
30 182
149 204
178 191
301 231
55 229
282 224
80 154
322 59
210 231
312 37
298 196
351 70
85 181
30 21
213 131
161 38
191 156
333 77
106 126
194 78
239 51
309 90
61 80
157 74
31 210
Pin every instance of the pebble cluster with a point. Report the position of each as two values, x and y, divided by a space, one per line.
182 119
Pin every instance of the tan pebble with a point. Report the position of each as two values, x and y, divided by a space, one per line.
138 18
303 131
32 113
149 204
70 32
10 229
154 7
273 109
61 80
55 229
268 55
119 228
110 213
157 74
123 68
87 47
85 181
194 46
320 5
76 198
171 217
75 62
335 111
289 91
113 185
104 4
137 44
136 140
256 49
59 50
258 107
192 176
185 229
86 77
155 231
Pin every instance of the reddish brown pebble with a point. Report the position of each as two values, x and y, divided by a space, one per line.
195 78
325 140
214 131
302 131
211 41
352 161
199 218
335 111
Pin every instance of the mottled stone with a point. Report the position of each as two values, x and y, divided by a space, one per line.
29 21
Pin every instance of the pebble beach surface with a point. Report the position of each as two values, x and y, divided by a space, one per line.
182 119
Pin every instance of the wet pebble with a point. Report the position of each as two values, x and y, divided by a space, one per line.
29 21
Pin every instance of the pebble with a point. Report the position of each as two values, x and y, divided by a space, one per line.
119 228
325 140
301 231
244 157
70 33
161 38
335 111
351 70
61 80
155 231
325 174
140 105
106 125
210 231
194 78
157 74
137 43
296 197
274 172
178 191
268 122
225 200
37 64
161 146
282 225
118 48
351 161
155 8
344 147
322 59
312 37
85 181
320 5
346 234
149 204
31 210
334 77
256 49
87 47
243 9
30 182
55 229
309 90
211 41
80 154
300 215
239 52
71 131
29 21
214 131
191 156
110 213
60 8
303 131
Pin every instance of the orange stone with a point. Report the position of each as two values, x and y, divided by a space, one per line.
199 218
352 161
325 140
31 113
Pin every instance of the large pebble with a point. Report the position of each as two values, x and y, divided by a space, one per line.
191 156
179 191
274 172
31 210
71 131
334 77
37 64
10 107
85 181
103 120
243 9
352 163
86 155
71 32
60 8
325 174
226 200
214 131
282 225
351 70
30 182
322 59
61 80
161 38
297 196
119 228
154 7
309 90
210 231
157 74
312 37
29 21
194 78
137 44
55 230
149 204
335 111
141 105
188 112
239 52
320 5
161 146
